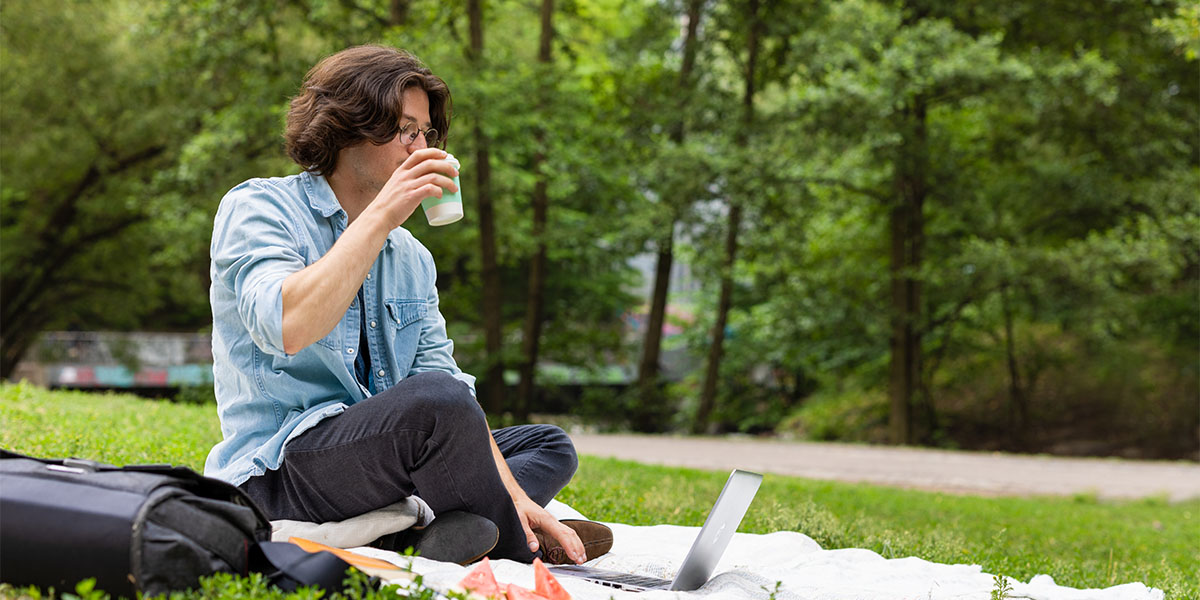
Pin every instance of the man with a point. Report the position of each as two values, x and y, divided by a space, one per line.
336 384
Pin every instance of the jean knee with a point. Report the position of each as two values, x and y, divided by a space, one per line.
557 440
443 395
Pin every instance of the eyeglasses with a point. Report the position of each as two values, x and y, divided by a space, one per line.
408 134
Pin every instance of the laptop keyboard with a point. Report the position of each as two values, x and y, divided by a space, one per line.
614 578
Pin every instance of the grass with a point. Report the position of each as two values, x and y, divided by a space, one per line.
1080 541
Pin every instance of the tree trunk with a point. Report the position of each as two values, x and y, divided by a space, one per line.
534 308
13 344
493 378
648 368
398 12
1018 406
708 394
646 413
907 223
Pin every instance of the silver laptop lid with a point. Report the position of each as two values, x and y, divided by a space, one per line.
718 530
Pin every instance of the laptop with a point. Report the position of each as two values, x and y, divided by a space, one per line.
698 566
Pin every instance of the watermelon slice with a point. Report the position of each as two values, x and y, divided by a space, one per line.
545 584
481 580
516 592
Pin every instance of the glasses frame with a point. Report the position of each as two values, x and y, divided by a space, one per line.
432 137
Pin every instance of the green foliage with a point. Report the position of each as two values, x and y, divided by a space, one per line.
87 126
1054 143
852 414
1184 28
1136 401
1003 588
1034 216
196 394
357 586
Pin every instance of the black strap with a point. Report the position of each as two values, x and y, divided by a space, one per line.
288 566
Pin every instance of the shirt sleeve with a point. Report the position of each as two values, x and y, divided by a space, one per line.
254 248
435 350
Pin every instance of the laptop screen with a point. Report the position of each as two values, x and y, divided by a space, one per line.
718 530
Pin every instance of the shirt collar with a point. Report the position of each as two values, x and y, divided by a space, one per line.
320 195
322 199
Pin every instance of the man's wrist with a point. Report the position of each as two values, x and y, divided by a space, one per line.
373 221
515 492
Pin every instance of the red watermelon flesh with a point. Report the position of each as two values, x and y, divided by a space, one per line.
516 592
481 580
545 584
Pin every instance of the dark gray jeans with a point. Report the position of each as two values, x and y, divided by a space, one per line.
425 436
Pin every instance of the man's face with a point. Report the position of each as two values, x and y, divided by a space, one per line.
373 165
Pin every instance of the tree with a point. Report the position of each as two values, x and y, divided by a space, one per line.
967 136
493 390
535 308
88 125
648 367
708 393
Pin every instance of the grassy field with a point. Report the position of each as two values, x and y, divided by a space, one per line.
1080 541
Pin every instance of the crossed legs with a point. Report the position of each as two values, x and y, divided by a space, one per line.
425 436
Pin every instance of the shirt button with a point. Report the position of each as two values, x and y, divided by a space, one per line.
380 373
349 350
372 324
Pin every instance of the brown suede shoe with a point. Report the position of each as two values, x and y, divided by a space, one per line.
597 540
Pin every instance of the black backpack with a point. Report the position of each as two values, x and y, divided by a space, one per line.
151 529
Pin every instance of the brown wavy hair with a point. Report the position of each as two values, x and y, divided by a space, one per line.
355 96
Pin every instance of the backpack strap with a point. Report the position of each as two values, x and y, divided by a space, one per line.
288 566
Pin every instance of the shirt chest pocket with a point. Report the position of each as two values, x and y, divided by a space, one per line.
405 318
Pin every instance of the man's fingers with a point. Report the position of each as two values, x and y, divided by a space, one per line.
570 541
422 155
428 190
417 174
433 165
438 180
530 538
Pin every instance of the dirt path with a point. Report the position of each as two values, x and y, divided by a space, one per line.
992 474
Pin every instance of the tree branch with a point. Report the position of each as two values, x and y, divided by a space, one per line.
828 181
27 289
379 20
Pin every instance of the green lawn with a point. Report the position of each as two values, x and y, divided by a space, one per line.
1080 541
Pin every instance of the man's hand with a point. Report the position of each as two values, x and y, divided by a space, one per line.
535 518
423 174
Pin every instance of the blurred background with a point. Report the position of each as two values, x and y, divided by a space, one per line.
967 224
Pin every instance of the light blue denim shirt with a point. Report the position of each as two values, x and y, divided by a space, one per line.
265 230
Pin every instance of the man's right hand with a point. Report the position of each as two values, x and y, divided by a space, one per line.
316 297
423 174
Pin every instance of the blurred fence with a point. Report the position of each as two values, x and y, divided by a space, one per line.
102 359
142 359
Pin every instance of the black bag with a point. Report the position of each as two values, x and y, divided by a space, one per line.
146 528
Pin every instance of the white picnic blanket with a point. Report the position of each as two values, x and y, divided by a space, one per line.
754 564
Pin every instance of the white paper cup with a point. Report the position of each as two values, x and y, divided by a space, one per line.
448 208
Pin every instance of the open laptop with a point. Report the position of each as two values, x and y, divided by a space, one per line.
714 537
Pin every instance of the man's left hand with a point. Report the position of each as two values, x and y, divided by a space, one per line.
535 518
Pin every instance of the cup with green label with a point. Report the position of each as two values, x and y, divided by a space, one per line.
448 208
